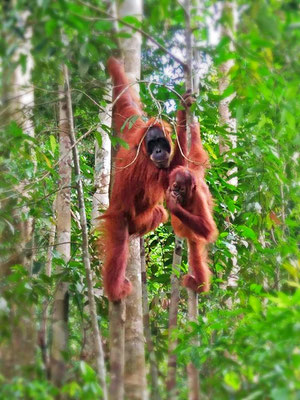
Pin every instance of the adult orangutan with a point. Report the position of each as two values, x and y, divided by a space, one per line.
141 179
190 204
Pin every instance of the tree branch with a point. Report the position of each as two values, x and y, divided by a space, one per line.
145 34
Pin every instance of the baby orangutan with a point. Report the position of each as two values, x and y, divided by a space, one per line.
190 203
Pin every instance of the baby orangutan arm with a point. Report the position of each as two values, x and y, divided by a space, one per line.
196 215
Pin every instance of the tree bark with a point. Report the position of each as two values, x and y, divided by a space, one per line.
100 365
192 372
43 341
173 312
102 178
102 162
147 329
135 370
116 345
117 310
100 202
227 30
18 101
63 218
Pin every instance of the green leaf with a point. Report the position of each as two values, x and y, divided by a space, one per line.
280 394
292 270
123 143
115 140
130 121
48 162
246 232
232 379
14 129
72 389
124 35
130 19
258 394
211 152
50 26
103 25
290 119
223 234
98 137
255 304
53 143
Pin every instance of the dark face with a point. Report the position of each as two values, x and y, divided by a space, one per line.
158 147
182 186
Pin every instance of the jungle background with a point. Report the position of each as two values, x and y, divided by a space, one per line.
244 343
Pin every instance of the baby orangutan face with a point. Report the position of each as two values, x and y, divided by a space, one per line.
181 186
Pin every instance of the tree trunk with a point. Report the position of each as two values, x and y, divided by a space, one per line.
193 374
100 203
117 310
147 329
63 217
135 370
173 312
116 345
100 365
43 333
227 30
18 101
102 163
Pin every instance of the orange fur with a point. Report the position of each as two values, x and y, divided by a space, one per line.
138 191
193 218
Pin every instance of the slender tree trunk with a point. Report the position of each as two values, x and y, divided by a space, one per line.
193 373
63 217
100 365
102 162
226 118
147 329
173 312
102 177
228 28
135 370
48 269
100 203
117 310
43 333
117 313
18 100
